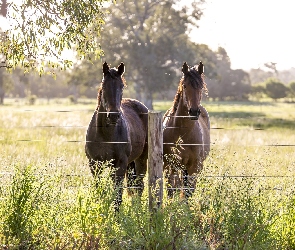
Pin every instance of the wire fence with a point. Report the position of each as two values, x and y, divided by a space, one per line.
3 140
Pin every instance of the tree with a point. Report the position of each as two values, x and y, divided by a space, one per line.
258 90
228 83
273 67
41 31
3 12
150 38
259 75
292 89
275 89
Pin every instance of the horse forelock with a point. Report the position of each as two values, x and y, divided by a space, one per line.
195 78
113 73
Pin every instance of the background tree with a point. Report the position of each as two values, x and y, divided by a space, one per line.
292 89
258 90
273 67
259 75
275 89
3 12
150 38
228 83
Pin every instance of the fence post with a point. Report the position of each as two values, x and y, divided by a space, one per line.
155 159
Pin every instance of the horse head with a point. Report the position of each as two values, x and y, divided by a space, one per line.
112 91
192 87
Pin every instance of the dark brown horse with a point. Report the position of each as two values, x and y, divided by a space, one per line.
117 130
186 129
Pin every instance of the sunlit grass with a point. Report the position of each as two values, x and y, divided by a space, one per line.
246 188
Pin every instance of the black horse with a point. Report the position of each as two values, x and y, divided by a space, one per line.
118 130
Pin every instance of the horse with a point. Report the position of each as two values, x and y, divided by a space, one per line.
186 134
118 131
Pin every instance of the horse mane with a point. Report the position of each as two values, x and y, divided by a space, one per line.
99 93
197 80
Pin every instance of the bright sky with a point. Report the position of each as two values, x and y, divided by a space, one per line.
252 32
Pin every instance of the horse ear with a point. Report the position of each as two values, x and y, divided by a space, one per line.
105 68
201 68
185 68
121 69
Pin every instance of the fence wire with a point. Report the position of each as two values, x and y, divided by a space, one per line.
174 144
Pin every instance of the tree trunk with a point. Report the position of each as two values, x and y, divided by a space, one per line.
2 91
147 100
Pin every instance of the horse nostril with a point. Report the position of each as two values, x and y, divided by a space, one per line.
194 112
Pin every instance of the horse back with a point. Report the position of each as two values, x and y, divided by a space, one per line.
136 115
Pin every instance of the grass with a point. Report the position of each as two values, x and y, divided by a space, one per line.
244 196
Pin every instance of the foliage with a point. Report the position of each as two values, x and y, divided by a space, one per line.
258 90
292 88
285 223
20 213
223 213
32 99
144 36
259 75
40 31
5 84
275 89
232 215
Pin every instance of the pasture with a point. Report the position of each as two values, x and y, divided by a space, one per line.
244 196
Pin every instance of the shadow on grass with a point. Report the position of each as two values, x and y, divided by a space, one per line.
237 114
257 120
273 123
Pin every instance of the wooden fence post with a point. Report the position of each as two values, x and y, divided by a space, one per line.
155 159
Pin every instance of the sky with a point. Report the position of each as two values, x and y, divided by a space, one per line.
253 32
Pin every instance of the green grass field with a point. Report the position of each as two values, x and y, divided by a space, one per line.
244 197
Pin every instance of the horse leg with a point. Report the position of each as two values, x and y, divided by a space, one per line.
119 175
191 178
140 171
188 186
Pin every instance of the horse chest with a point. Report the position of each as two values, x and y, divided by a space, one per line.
187 140
108 142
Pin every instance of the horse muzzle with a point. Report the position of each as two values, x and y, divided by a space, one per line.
113 117
194 113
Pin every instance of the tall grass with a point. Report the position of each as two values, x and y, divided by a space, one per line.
244 197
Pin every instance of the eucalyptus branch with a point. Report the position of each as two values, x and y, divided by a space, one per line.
67 23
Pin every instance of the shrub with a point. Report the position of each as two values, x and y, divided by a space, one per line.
72 99
32 99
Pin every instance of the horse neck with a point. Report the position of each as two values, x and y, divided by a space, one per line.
182 111
101 117
103 130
